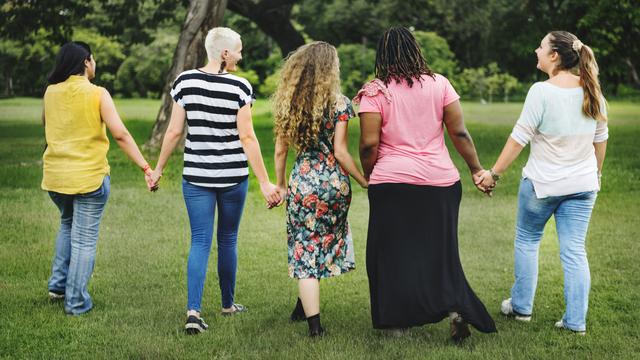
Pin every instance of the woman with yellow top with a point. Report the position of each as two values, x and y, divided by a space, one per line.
75 168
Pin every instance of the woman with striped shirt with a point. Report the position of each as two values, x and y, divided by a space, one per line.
220 144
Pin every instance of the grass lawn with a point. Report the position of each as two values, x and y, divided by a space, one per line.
139 282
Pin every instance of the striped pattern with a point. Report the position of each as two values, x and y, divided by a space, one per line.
213 154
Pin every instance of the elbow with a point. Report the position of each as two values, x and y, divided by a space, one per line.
368 148
173 135
246 140
281 153
122 136
462 135
340 155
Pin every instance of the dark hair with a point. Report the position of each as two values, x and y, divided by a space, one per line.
573 53
399 57
69 61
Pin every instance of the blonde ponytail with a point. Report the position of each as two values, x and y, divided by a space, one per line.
593 100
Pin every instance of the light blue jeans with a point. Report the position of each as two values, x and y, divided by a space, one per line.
76 245
572 214
201 205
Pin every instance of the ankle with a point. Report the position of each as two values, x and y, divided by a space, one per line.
193 313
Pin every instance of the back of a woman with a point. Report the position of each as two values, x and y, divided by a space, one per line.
75 168
565 120
414 270
412 148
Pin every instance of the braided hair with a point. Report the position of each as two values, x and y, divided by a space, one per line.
399 57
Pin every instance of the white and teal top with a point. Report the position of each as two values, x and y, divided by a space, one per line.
562 159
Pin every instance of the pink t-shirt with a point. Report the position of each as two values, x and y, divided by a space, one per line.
412 149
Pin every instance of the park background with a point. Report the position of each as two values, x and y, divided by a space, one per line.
484 47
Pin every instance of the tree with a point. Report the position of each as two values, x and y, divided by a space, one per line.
273 17
21 18
436 51
357 65
9 57
202 15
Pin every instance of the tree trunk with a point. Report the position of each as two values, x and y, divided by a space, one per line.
273 17
634 74
190 53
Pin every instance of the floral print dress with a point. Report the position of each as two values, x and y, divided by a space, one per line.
318 199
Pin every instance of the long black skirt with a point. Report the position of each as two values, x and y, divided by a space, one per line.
413 264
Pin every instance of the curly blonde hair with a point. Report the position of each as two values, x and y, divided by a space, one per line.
307 91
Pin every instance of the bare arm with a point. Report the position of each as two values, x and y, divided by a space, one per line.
341 152
460 137
251 148
601 150
370 125
509 153
280 158
119 132
171 138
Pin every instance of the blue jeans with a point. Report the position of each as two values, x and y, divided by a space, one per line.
572 214
201 206
76 245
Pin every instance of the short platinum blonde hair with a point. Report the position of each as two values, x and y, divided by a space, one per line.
218 40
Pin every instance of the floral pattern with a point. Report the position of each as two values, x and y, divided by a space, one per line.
318 200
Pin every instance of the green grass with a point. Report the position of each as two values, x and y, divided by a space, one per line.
140 274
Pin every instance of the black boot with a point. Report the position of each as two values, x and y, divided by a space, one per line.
315 329
298 312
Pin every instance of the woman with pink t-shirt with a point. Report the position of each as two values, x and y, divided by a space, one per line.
414 269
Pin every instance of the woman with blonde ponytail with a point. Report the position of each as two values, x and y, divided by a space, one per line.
565 120
311 115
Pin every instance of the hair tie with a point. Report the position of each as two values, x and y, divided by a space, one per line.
577 45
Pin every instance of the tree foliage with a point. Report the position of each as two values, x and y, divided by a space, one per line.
460 38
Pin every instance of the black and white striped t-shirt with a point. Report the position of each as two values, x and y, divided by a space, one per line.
213 154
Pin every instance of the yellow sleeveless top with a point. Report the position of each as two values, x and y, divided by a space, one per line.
75 161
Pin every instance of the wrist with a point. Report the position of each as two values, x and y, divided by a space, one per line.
475 169
494 175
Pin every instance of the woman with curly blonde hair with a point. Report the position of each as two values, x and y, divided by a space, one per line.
311 115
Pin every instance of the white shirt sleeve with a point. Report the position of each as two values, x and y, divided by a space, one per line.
176 91
531 117
602 130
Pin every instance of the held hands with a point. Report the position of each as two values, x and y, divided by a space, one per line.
152 177
148 178
484 181
155 178
272 194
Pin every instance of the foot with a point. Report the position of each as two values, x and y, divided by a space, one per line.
314 333
507 309
459 329
234 309
195 325
561 325
298 312
56 295
315 328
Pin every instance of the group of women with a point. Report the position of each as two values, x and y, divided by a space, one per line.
414 189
